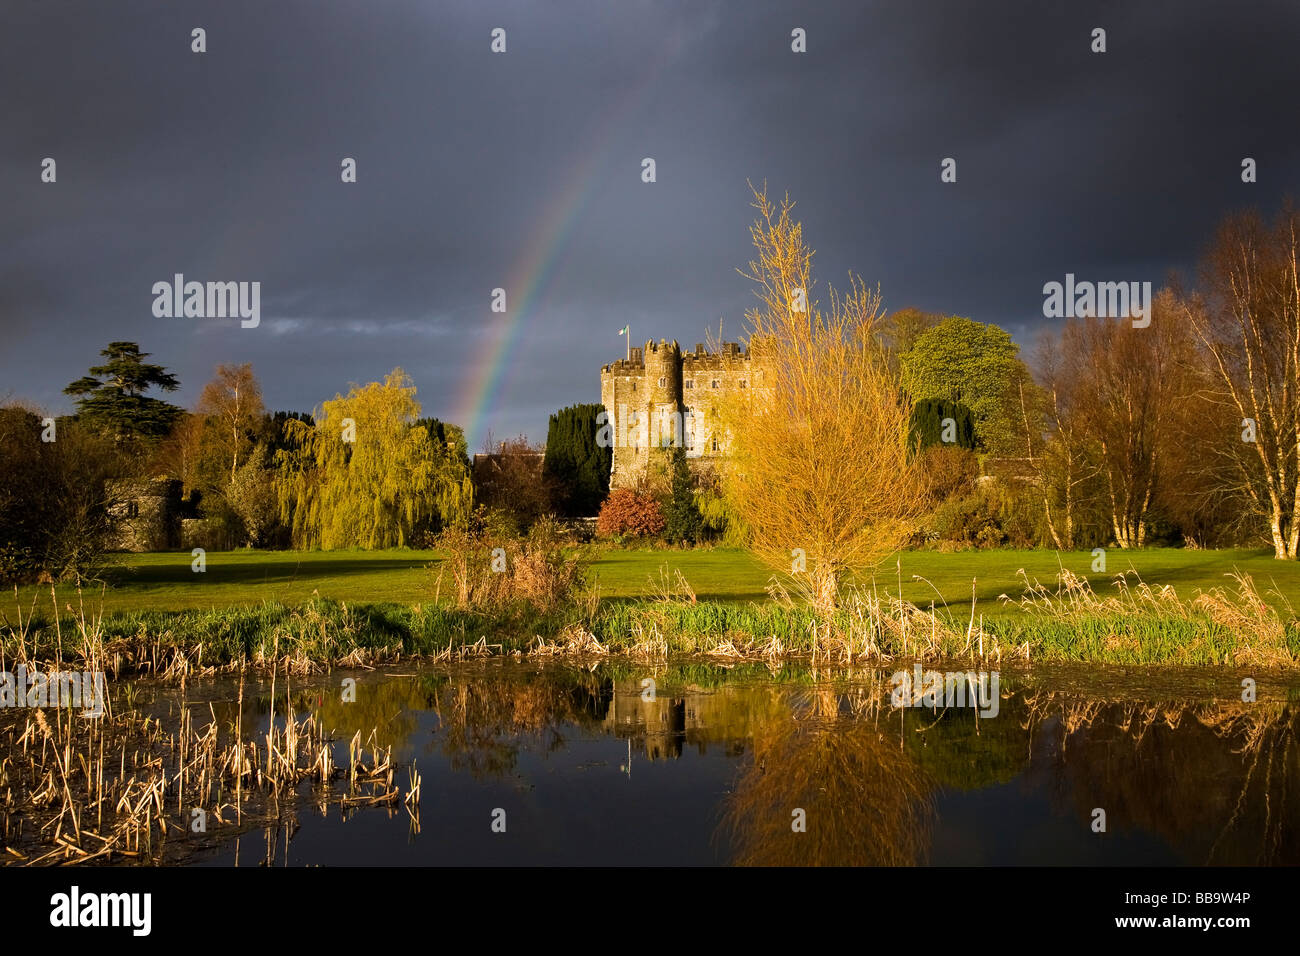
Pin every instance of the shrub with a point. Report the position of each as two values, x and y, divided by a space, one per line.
251 496
991 516
968 520
491 570
470 552
542 571
631 513
54 517
949 471
683 523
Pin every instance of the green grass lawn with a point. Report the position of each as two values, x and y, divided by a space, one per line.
165 581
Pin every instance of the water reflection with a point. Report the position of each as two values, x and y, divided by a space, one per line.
1217 781
716 765
864 800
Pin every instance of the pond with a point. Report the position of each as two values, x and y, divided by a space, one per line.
689 763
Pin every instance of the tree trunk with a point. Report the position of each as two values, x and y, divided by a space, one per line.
826 590
1051 525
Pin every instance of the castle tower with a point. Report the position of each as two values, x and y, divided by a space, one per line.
663 372
623 393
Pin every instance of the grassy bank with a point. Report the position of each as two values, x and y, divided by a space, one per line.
1139 625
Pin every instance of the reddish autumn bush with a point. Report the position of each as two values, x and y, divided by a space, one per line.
630 514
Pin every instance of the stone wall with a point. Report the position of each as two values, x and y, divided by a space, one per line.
661 395
145 514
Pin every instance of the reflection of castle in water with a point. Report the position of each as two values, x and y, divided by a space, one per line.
664 725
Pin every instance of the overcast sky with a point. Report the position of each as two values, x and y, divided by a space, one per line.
522 171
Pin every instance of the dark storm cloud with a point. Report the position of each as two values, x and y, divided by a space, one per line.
478 171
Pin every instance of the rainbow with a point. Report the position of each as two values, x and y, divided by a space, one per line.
534 269
528 279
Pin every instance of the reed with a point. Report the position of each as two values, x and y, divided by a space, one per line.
1134 623
1142 624
125 787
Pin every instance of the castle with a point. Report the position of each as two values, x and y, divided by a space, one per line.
660 396
145 514
151 514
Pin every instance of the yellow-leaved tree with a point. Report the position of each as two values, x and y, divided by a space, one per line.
368 474
818 464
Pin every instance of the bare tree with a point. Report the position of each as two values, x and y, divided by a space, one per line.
178 454
819 465
1128 385
899 330
509 476
1247 319
234 399
1201 488
1065 467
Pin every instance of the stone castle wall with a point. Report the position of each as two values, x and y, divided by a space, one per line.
145 514
662 395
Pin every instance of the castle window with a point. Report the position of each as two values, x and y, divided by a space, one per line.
742 383
133 509
715 444
689 383
713 384
662 381
634 386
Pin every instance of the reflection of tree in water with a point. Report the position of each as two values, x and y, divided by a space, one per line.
484 717
485 720
385 705
867 802
1268 745
1216 781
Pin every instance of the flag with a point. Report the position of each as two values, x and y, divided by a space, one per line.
624 330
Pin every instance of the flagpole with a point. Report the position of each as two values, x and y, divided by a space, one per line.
628 330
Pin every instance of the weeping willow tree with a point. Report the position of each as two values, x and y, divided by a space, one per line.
368 474
819 470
